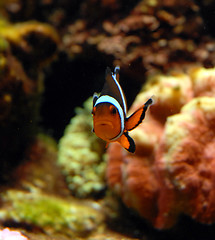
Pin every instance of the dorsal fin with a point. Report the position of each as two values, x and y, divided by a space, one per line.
113 88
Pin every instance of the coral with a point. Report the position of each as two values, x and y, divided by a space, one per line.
185 159
52 12
152 36
7 234
171 92
80 155
39 170
203 82
21 86
40 203
132 178
32 42
49 213
172 171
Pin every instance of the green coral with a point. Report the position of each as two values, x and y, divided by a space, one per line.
50 213
81 155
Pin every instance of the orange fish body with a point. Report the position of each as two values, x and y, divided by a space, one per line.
109 113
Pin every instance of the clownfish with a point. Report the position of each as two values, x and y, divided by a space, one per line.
109 113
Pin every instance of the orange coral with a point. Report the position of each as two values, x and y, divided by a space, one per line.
172 172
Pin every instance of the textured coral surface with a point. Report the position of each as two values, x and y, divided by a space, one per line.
142 36
172 172
185 159
80 155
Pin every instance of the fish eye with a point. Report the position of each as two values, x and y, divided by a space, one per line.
113 110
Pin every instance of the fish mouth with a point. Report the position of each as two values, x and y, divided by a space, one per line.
104 123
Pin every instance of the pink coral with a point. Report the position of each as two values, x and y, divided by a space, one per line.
185 162
172 172
133 179
7 234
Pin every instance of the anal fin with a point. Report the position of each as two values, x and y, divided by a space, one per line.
127 142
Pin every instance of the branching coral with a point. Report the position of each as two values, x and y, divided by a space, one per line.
80 155
172 172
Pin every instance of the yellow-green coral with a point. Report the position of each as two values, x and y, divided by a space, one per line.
50 213
81 155
170 91
31 38
16 32
203 81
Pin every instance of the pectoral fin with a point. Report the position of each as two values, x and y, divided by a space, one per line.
127 142
137 117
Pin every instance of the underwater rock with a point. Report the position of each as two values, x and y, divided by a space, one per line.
81 155
49 213
172 171
21 86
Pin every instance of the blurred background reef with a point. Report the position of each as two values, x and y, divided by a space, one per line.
58 184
